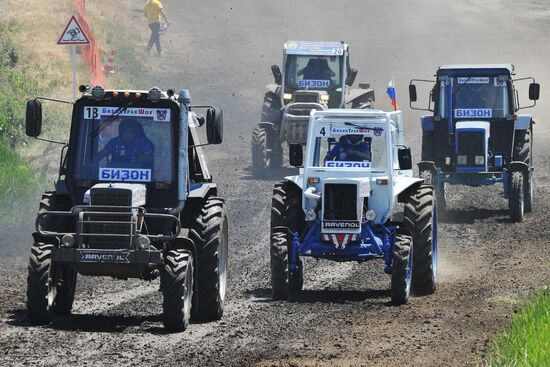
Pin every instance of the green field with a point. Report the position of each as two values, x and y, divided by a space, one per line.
527 342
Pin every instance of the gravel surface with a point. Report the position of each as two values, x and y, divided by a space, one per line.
221 51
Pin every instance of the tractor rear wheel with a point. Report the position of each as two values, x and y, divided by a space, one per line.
287 217
516 197
267 153
401 270
210 234
420 218
176 281
429 179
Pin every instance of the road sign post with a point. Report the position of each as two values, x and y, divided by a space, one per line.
73 35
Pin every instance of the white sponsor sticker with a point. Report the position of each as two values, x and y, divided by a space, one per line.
318 84
344 164
473 113
156 114
473 80
125 174
356 131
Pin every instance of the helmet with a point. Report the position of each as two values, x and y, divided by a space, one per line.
354 139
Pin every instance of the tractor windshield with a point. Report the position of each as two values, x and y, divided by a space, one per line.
313 72
132 144
475 97
350 147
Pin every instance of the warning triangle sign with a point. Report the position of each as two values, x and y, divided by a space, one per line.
73 34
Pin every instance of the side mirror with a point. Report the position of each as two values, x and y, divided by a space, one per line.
534 91
33 118
277 75
214 125
412 93
405 158
296 155
351 77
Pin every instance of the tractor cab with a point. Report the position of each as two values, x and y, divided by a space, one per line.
475 134
315 72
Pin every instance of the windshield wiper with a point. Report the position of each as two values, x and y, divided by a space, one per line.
112 117
363 127
463 84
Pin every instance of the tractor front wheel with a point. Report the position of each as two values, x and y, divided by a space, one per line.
516 197
401 274
176 281
287 217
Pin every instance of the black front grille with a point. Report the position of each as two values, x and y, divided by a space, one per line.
470 144
340 202
109 197
306 97
298 111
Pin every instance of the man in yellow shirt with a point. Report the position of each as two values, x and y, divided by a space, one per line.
154 11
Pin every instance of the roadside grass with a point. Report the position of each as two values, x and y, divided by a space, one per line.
527 342
31 64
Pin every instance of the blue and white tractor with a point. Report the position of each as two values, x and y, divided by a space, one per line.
315 75
475 135
355 200
134 199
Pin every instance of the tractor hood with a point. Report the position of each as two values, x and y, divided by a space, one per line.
116 194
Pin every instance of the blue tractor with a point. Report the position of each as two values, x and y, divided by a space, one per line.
475 135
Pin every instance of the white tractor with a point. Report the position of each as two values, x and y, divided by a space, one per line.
355 200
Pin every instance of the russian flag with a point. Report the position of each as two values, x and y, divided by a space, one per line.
391 93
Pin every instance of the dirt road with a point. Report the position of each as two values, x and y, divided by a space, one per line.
221 51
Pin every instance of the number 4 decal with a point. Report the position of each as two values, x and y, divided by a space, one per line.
322 131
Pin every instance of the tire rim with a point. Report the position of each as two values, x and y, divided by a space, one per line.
409 272
434 239
222 261
52 290
188 295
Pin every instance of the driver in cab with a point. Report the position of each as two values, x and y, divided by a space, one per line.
350 148
131 148
317 69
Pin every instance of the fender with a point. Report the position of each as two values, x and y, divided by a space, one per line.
361 98
202 190
404 186
523 122
518 166
296 180
427 123
427 166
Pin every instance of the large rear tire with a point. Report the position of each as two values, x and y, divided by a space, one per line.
267 153
210 234
516 198
401 270
177 290
429 179
287 217
420 218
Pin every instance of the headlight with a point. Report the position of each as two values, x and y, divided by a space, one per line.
98 92
370 215
287 96
461 160
310 215
143 242
67 240
325 97
480 160
154 94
